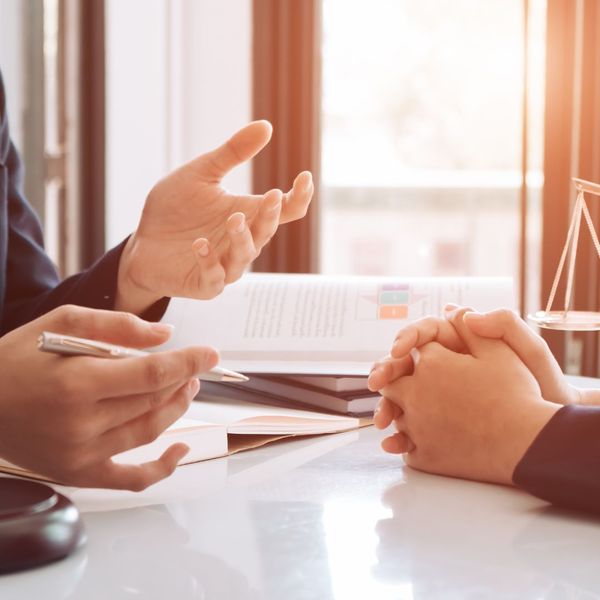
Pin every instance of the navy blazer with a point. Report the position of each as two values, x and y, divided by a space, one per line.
562 465
29 283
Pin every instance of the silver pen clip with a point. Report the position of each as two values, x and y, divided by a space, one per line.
66 344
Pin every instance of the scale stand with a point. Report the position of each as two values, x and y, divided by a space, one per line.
566 319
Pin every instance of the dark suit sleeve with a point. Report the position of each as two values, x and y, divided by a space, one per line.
28 279
562 465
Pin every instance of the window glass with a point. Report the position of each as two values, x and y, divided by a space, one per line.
422 135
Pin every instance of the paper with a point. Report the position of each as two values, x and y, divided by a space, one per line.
258 419
316 324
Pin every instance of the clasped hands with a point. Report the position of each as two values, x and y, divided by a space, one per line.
468 393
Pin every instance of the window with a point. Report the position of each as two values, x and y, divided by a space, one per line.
422 137
52 57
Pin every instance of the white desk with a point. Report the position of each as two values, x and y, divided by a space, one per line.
326 518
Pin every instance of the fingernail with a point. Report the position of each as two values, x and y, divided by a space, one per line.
183 452
202 248
450 306
194 387
164 328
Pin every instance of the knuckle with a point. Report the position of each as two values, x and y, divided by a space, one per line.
233 275
302 211
245 257
179 406
71 317
193 362
76 429
217 286
540 348
138 483
184 401
155 399
127 320
151 431
507 316
180 401
156 372
428 356
75 459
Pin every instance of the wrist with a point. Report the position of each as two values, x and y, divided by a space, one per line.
131 296
527 426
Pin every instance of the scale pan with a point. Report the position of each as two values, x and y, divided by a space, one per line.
573 320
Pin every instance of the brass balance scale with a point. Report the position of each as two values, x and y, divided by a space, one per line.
567 319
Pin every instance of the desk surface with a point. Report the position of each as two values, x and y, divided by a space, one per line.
324 518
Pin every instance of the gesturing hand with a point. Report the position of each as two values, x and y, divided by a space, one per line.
194 236
65 417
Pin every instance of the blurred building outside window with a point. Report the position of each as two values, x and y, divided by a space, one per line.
421 137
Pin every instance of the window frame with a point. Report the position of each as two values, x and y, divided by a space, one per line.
287 92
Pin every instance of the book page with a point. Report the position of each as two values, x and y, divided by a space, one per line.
205 439
241 417
317 324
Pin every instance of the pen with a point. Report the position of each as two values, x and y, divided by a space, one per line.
67 344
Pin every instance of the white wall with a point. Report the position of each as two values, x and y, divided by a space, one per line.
178 84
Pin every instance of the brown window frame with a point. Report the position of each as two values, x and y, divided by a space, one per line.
287 92
75 161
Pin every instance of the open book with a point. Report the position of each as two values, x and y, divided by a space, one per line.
218 426
291 324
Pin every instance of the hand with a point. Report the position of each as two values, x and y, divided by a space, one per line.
194 236
501 324
471 416
65 417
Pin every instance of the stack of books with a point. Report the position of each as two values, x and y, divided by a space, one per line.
340 394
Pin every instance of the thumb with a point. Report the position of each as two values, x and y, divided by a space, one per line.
476 345
239 148
120 328
506 325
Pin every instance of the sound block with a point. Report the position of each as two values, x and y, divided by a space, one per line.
37 525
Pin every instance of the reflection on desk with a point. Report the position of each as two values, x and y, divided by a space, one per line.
332 520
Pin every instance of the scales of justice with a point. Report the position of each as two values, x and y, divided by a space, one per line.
566 319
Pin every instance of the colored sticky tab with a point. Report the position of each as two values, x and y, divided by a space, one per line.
393 298
398 311
395 286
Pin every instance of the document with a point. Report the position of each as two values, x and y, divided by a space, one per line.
218 427
318 324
